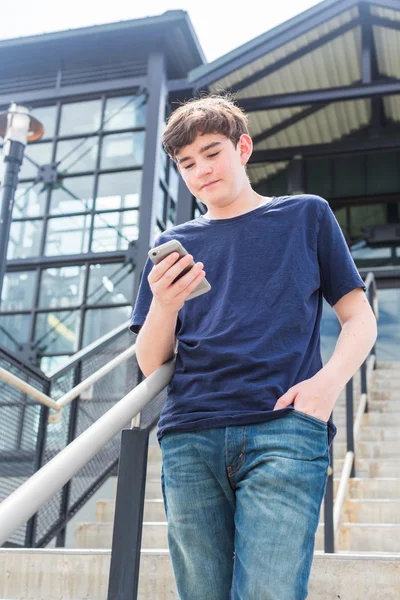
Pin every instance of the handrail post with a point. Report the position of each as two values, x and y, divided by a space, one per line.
30 534
128 519
65 493
350 423
329 536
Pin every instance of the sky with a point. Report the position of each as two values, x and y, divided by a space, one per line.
220 26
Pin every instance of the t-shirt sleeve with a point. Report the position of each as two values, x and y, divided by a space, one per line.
143 300
338 272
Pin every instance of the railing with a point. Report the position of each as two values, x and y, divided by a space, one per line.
33 498
40 416
332 510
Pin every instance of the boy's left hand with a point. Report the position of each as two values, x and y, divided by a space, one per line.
315 396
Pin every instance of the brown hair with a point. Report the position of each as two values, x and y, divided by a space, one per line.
209 114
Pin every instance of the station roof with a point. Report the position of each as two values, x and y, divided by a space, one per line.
336 45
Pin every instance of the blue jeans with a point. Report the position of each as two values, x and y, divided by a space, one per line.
243 505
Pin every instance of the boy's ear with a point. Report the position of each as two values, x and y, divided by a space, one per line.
245 145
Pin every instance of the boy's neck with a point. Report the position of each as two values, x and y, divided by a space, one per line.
235 209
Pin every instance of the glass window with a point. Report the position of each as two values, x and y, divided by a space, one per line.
75 195
171 214
50 364
25 239
77 155
122 150
114 231
58 332
382 174
110 283
47 115
99 321
173 181
348 176
14 330
161 204
125 112
119 190
363 216
39 154
164 163
30 201
18 291
80 117
67 235
62 287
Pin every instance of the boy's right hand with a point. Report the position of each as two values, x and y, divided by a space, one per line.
172 296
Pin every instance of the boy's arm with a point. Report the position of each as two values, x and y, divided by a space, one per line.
156 342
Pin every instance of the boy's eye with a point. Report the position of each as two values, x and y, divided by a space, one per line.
209 156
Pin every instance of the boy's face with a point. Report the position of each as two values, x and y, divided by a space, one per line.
213 169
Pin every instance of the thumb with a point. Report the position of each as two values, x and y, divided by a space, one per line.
286 399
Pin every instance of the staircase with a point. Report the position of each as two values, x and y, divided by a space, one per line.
367 563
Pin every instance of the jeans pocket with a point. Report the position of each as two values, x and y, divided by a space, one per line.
310 418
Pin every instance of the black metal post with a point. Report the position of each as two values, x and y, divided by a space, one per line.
329 538
65 494
157 101
128 519
13 161
350 422
30 534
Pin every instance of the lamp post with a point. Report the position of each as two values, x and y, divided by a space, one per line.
17 127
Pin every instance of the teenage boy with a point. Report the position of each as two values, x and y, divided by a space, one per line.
245 430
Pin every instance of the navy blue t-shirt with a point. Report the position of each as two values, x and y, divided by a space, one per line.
256 334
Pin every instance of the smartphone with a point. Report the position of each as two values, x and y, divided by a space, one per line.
158 253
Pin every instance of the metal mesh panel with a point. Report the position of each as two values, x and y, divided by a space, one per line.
77 417
95 403
19 429
20 420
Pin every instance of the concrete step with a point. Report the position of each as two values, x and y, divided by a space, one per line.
364 537
371 510
371 467
370 537
390 433
60 574
375 488
99 535
153 510
381 449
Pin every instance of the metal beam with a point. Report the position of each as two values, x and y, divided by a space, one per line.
307 112
370 69
278 37
338 94
392 4
317 150
388 23
126 84
283 62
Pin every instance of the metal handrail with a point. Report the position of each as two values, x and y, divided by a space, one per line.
89 349
349 458
25 501
83 385
348 463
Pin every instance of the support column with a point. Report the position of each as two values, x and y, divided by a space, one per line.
158 93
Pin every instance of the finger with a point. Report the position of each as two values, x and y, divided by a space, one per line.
176 269
192 285
162 267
